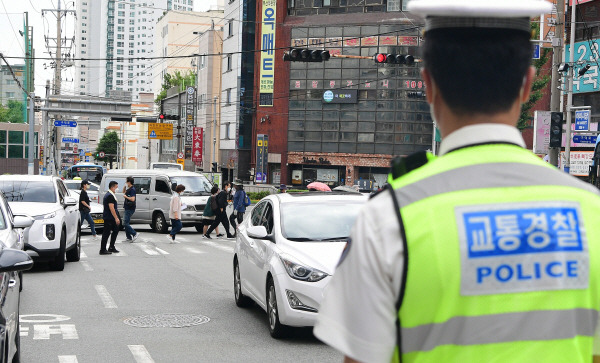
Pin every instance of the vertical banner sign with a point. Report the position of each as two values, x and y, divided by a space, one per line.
197 145
265 155
259 158
189 120
541 136
267 54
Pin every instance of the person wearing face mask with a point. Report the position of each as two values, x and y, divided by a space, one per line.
221 213
485 253
85 208
175 213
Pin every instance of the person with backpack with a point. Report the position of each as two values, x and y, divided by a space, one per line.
210 209
240 202
221 204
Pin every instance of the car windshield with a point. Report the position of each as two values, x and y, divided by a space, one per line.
325 221
194 185
28 191
73 186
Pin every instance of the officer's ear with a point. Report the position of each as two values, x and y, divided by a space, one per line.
430 88
525 91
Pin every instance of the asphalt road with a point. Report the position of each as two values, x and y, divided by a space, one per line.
124 308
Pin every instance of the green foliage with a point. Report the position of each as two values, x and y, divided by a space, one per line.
175 79
257 195
13 112
539 83
109 144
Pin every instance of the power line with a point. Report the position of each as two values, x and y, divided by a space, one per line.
13 29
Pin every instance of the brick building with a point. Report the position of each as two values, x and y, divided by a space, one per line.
342 120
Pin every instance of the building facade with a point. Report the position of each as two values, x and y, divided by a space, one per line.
340 121
9 90
237 89
116 32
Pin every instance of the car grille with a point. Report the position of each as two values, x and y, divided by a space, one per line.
200 207
97 216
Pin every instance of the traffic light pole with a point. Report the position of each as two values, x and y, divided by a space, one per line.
567 166
557 54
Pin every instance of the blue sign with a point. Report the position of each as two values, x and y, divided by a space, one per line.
580 139
62 123
590 81
87 159
153 134
70 139
582 120
533 246
536 51
259 177
81 152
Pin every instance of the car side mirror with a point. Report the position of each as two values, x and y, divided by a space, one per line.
12 260
22 222
259 232
70 201
173 186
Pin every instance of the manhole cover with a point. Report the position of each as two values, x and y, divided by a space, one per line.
166 320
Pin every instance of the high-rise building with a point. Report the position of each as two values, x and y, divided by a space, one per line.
117 40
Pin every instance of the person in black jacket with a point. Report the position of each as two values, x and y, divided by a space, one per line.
84 207
221 212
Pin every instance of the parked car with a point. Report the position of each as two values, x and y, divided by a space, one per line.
56 230
93 191
97 208
286 251
154 189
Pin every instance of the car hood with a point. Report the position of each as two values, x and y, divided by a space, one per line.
321 255
33 209
96 208
194 200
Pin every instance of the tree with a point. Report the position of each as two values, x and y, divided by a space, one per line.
13 112
539 83
175 79
108 144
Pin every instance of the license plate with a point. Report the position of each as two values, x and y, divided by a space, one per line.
99 221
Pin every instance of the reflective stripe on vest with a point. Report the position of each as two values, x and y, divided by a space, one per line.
527 299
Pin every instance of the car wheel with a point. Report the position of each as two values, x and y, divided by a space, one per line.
74 254
160 224
58 264
276 329
241 300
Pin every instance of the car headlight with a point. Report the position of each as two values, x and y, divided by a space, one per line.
50 215
298 271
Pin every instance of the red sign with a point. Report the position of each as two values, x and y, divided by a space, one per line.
408 40
197 145
75 149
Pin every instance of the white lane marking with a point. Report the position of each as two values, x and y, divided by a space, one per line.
149 250
140 354
67 359
86 266
107 300
180 238
82 254
193 250
161 251
39 318
23 330
120 254
67 331
218 246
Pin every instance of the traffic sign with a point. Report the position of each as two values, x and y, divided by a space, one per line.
70 139
62 123
180 155
536 51
163 131
88 154
580 139
582 120
100 154
180 161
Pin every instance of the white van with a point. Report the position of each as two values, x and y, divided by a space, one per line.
171 166
154 189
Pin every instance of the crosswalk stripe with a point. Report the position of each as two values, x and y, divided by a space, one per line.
140 353
67 359
218 246
82 254
147 249
107 300
161 251
193 250
86 266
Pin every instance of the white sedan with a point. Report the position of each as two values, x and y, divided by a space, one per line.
56 230
286 251
93 191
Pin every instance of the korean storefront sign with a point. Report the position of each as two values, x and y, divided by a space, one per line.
267 54
197 145
585 52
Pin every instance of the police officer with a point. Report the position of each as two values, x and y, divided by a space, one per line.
486 253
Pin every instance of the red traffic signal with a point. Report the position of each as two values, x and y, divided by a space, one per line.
394 59
380 58
161 116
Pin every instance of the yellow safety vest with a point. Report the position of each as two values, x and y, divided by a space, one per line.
502 260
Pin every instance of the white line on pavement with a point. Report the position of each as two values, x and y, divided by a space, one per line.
107 300
86 266
162 251
218 246
67 359
193 250
23 330
120 254
140 354
149 250
82 254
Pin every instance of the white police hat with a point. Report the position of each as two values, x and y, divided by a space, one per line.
498 14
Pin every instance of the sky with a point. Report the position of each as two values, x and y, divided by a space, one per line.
12 43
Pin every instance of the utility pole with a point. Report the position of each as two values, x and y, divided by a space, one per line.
214 131
557 54
567 166
45 129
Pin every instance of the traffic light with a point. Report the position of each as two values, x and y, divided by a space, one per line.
556 122
306 55
168 117
214 167
406 59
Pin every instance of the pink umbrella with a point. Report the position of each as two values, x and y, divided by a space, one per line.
318 186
